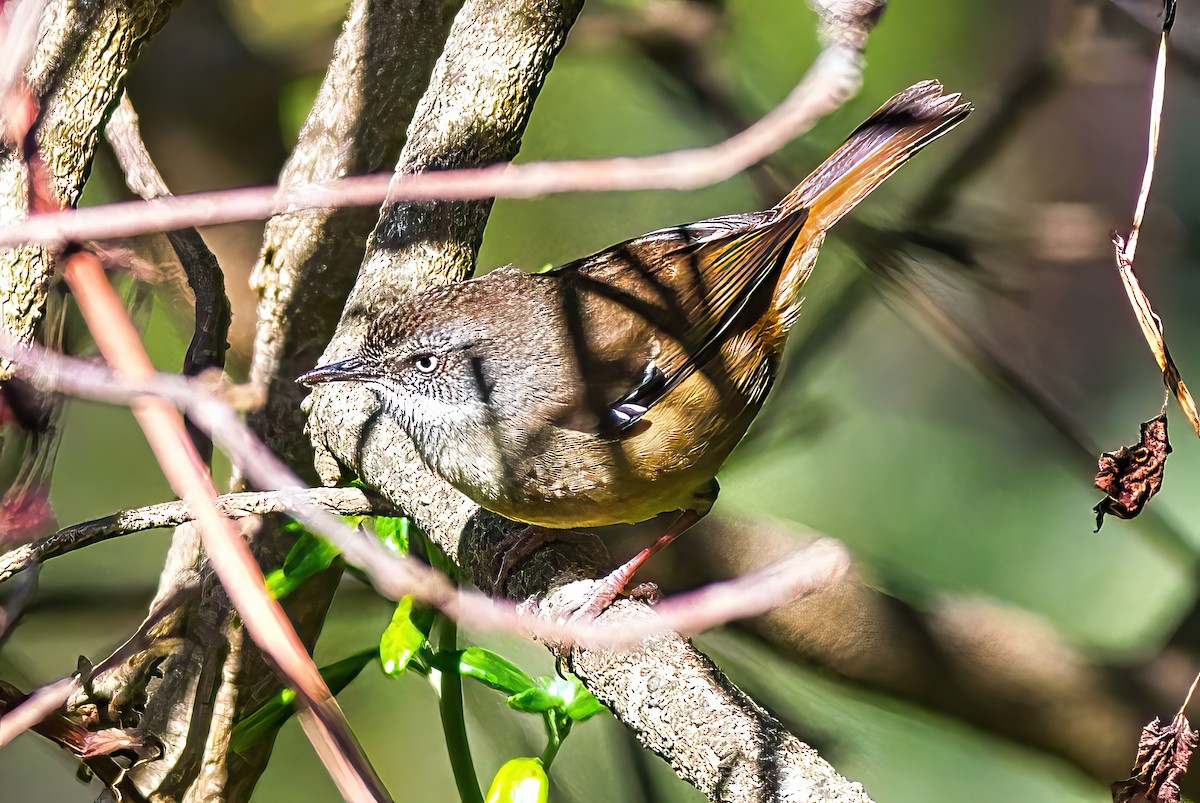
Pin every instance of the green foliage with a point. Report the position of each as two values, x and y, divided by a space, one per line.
309 555
524 692
560 701
493 670
394 532
405 636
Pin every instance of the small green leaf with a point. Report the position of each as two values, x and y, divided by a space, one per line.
307 556
490 668
268 717
535 701
404 637
393 532
578 702
520 780
584 706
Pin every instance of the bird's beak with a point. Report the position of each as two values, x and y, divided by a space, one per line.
351 368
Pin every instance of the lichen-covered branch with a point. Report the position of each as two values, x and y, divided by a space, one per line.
78 69
679 704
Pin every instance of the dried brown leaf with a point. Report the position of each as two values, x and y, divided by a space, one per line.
1133 474
1152 329
1162 758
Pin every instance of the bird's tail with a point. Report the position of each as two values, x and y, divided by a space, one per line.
889 138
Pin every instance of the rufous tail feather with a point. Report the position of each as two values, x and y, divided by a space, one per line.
889 138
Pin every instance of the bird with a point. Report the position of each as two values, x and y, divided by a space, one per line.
610 390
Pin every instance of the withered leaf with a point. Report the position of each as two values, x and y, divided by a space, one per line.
1162 758
1133 474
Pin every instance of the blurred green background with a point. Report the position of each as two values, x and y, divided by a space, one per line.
881 436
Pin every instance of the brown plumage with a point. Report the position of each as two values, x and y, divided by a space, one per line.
612 388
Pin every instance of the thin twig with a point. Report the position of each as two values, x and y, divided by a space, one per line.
1125 248
822 90
1155 129
40 704
213 314
342 501
1188 699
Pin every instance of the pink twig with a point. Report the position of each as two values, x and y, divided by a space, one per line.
824 88
793 576
227 551
33 709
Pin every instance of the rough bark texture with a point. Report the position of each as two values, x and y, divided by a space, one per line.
381 65
310 259
83 54
679 704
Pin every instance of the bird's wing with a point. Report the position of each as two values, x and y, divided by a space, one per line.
650 312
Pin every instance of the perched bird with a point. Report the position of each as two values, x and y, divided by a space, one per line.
611 389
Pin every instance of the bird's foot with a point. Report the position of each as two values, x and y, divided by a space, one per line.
606 592
519 547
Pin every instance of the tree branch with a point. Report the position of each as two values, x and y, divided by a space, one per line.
381 65
833 79
342 501
210 337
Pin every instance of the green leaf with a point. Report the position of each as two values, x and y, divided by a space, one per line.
520 780
490 668
393 532
404 636
535 701
578 702
268 717
307 556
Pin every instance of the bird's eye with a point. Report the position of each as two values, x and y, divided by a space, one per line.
426 363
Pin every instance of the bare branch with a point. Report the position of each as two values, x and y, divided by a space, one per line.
342 501
76 71
209 340
37 706
392 575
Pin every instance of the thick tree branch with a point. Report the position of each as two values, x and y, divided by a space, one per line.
992 666
381 64
678 703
